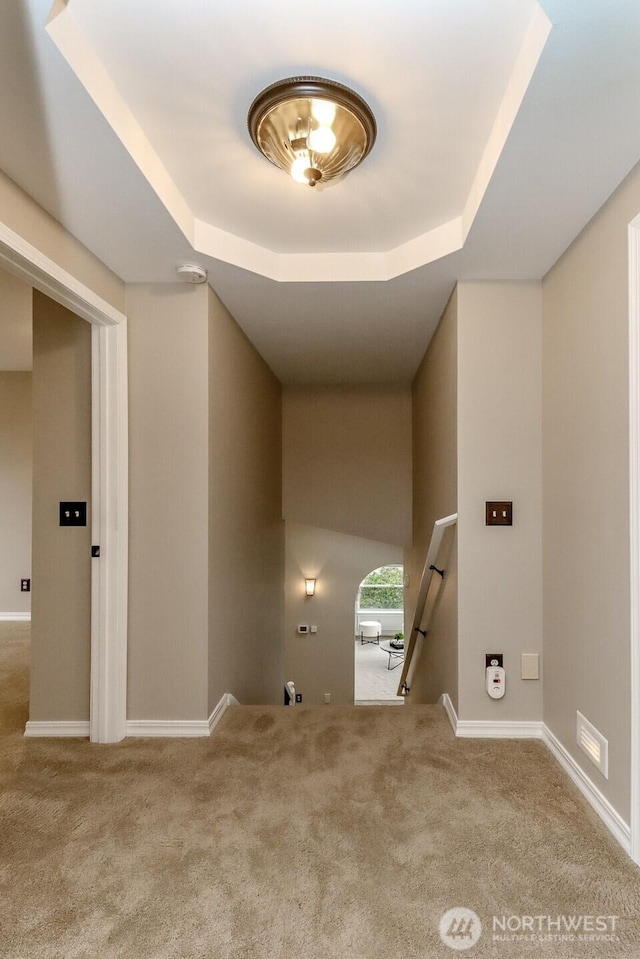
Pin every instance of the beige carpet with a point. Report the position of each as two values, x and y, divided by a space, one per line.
301 832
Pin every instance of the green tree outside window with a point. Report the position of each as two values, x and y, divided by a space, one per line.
382 589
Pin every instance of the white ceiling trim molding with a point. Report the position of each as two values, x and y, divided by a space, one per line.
346 266
530 52
76 50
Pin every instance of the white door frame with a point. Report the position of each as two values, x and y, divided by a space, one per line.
634 525
109 459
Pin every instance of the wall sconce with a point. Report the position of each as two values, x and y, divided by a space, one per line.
309 587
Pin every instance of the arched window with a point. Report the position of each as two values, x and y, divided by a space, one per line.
382 589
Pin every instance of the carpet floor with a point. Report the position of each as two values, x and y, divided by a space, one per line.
308 832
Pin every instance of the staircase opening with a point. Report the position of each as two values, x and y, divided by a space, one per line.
379 636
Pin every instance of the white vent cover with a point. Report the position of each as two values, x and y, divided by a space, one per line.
593 744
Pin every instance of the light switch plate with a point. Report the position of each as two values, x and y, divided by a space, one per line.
73 514
499 513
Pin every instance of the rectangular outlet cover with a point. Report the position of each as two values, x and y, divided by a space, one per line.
530 666
499 513
25 585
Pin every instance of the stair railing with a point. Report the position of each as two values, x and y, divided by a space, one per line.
418 633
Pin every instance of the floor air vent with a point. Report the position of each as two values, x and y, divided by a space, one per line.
593 744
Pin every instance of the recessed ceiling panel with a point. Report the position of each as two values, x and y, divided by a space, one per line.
434 72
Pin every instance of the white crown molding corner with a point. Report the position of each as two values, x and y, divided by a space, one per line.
56 729
15 617
610 817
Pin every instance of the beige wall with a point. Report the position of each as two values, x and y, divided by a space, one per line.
246 533
347 460
16 322
586 499
434 496
23 215
324 662
347 505
61 597
168 505
15 490
499 458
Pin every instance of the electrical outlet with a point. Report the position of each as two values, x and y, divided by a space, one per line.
25 585
493 659
298 697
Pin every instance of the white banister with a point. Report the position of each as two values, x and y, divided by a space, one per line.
418 633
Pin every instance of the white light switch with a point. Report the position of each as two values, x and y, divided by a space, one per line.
530 666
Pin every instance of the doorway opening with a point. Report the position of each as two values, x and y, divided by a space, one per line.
379 637
16 469
109 526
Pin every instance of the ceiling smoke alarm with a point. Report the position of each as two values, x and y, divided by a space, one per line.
191 273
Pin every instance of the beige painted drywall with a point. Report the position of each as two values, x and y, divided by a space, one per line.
347 460
435 495
61 594
16 339
168 501
22 214
324 662
16 466
586 498
246 532
499 458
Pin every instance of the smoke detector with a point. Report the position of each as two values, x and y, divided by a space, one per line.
191 273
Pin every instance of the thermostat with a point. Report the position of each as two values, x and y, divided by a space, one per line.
303 628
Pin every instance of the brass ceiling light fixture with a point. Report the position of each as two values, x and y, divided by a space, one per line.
315 129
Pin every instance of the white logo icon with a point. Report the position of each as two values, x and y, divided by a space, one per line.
460 928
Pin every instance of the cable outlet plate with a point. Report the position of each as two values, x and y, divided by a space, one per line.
493 659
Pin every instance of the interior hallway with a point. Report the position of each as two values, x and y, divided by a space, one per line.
311 832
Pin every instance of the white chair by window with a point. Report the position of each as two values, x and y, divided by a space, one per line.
370 632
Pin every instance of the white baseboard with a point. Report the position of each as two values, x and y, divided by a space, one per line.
499 729
218 712
176 728
445 701
490 729
55 729
15 617
612 819
538 730
169 728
